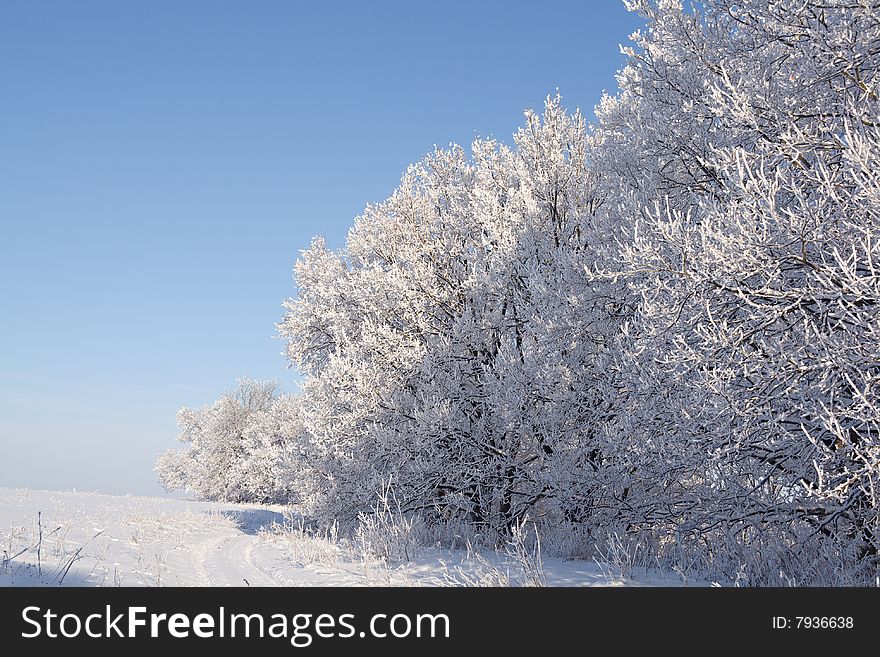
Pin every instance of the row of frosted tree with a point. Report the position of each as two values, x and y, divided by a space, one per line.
664 325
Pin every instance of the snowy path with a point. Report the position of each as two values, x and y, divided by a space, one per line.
89 539
228 561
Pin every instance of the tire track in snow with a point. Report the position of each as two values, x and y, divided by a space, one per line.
228 561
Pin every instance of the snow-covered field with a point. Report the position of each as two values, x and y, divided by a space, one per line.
90 539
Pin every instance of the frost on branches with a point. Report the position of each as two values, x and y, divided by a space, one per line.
455 342
752 204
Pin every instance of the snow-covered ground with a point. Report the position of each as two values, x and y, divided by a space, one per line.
90 539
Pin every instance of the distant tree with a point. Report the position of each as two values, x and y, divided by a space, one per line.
239 449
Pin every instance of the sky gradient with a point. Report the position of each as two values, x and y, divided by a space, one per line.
163 163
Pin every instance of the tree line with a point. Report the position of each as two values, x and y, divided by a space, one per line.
663 324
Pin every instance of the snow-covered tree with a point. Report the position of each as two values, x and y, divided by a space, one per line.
452 342
242 448
742 153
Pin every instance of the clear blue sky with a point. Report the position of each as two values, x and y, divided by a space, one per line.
163 163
